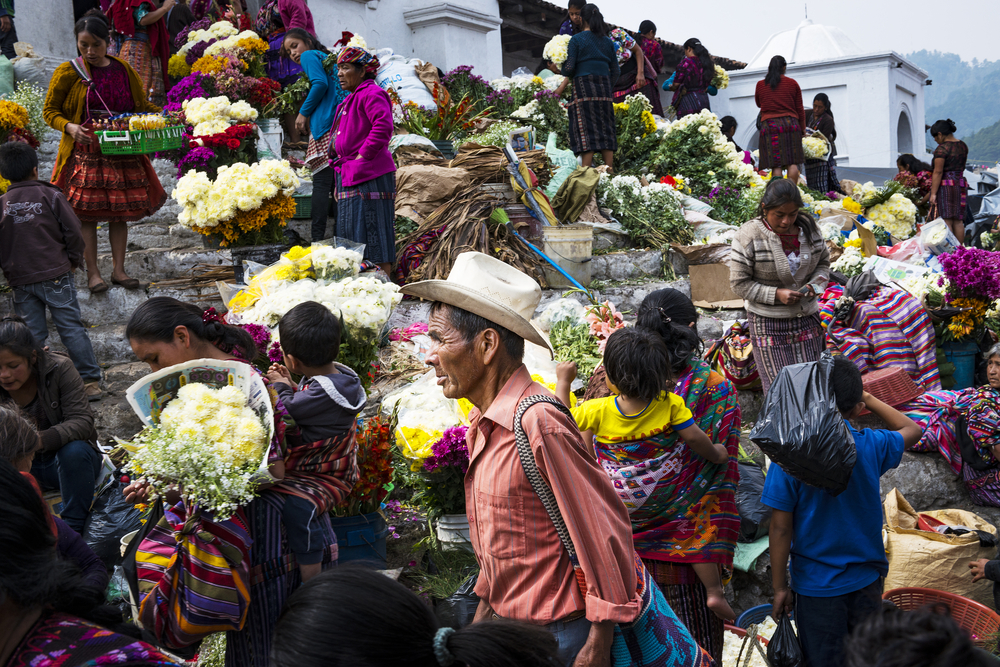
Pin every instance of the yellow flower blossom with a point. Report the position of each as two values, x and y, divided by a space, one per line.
177 66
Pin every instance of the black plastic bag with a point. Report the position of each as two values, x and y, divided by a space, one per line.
458 610
783 650
755 516
111 518
802 430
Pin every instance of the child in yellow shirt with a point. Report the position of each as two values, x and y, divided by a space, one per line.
638 372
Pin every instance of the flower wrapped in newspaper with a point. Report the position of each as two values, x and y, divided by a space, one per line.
208 428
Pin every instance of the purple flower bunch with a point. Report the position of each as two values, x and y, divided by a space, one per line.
547 95
182 36
198 50
463 71
198 159
274 353
450 451
500 97
973 272
261 336
193 85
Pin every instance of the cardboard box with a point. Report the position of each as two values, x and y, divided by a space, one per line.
710 287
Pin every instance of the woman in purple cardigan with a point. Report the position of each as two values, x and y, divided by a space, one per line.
366 174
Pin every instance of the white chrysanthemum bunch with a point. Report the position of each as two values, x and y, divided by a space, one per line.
557 49
358 41
334 263
850 263
898 216
229 43
240 186
31 96
364 302
863 191
209 443
919 285
554 81
219 30
214 115
831 231
721 79
510 83
815 148
529 111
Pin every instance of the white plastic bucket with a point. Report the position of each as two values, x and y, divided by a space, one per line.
270 136
453 532
571 247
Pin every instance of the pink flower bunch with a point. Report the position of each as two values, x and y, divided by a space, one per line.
450 451
604 320
972 272
407 334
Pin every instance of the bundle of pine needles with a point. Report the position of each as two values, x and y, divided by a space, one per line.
467 227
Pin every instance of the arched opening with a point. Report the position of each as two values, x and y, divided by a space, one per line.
904 134
752 141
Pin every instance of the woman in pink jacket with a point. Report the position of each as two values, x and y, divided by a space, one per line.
365 182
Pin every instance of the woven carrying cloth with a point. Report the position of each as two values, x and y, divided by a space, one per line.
656 638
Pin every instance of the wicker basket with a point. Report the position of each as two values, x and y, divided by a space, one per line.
892 385
978 620
140 142
303 207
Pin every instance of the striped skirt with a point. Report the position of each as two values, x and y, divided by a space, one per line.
366 213
693 102
821 175
274 576
780 342
689 600
592 115
951 196
110 187
138 54
780 143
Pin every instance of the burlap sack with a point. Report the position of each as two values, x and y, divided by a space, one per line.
923 559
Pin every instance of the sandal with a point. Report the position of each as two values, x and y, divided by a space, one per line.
128 283
99 288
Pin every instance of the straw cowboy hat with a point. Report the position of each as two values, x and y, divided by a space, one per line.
489 288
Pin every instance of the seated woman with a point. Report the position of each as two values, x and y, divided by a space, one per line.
47 387
18 446
690 516
42 599
981 450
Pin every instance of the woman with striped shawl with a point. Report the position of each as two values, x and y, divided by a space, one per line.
689 515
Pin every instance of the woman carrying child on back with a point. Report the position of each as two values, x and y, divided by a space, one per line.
637 418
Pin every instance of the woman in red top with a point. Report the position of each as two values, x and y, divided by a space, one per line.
782 120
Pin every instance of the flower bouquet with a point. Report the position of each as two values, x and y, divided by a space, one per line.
208 429
815 146
695 147
851 262
447 121
651 214
886 207
972 283
461 82
721 78
546 112
557 50
247 204
31 97
424 415
375 446
440 477
637 134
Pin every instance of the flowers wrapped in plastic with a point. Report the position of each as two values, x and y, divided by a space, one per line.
208 428
815 147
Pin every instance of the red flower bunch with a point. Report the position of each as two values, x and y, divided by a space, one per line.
263 93
230 139
375 442
23 135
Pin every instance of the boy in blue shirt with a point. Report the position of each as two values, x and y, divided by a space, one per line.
838 560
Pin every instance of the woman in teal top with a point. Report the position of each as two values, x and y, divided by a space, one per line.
592 64
317 114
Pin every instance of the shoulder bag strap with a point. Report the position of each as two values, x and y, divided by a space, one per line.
88 81
535 476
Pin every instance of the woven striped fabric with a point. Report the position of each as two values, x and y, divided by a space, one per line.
321 472
890 328
936 413
193 576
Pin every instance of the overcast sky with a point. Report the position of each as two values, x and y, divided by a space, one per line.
737 28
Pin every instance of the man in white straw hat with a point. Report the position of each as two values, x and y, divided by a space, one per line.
479 322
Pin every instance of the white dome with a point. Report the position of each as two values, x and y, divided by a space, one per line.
808 42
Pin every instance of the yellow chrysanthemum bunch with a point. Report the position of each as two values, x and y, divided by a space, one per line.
12 115
281 208
210 64
963 324
648 121
851 206
177 66
254 45
854 243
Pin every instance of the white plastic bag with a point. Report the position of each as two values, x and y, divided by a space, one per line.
937 237
30 69
399 74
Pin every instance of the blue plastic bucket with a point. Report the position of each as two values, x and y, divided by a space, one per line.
361 538
963 355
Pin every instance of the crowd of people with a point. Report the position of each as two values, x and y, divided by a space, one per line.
597 529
